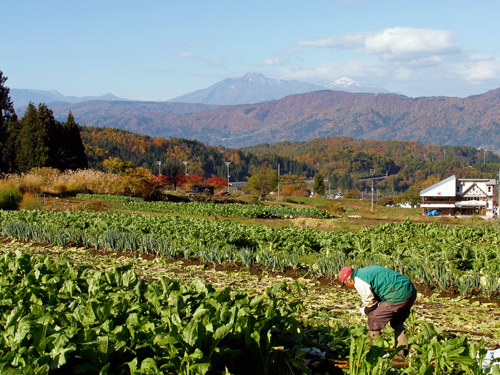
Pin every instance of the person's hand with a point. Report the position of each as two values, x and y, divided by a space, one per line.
362 311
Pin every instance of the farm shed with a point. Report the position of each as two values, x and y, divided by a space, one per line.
454 196
203 189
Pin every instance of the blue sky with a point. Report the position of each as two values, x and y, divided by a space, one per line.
157 50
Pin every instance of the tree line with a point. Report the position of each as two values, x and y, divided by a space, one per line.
37 139
344 161
201 158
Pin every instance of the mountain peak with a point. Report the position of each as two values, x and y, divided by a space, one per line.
255 88
345 81
350 85
254 77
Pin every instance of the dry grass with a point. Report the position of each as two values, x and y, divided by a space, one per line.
55 182
30 202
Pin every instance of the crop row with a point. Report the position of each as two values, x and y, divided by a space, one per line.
460 247
210 209
173 237
109 198
58 318
55 316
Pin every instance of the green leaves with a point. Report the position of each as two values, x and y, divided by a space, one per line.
102 322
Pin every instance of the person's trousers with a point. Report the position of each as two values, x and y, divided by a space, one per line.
393 313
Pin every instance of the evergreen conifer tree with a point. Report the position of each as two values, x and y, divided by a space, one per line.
26 154
319 184
12 145
47 134
6 110
71 149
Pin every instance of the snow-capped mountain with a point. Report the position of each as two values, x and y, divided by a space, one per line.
251 88
350 85
255 88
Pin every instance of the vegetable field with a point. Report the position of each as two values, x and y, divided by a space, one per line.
210 209
63 314
125 293
463 258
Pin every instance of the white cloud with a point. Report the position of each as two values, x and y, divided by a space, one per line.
408 57
476 71
276 59
345 42
398 43
214 62
184 55
332 71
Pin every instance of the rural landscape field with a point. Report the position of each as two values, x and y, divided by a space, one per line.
250 188
101 283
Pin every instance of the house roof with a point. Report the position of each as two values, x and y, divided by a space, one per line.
445 188
474 185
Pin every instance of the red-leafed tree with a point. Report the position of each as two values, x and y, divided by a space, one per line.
194 179
172 181
177 180
216 181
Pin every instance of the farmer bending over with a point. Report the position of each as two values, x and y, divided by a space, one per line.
387 296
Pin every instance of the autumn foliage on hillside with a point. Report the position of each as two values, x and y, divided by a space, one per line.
343 161
144 151
472 121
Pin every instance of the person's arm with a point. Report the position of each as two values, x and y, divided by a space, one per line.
368 299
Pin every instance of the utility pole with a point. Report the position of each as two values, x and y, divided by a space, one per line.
186 164
498 204
227 164
278 180
372 172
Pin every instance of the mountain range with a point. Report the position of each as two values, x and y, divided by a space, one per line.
251 88
472 121
271 118
22 97
255 88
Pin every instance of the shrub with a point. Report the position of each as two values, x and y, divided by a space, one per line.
353 194
10 196
334 208
301 193
30 202
387 201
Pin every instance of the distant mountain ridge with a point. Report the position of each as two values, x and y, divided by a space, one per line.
256 88
22 97
472 121
105 112
350 85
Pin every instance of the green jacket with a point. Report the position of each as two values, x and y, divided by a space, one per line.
378 284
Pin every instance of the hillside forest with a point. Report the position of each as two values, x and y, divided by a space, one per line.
342 161
38 140
203 159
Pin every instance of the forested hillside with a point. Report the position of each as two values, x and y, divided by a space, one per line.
344 160
145 151
473 121
341 160
38 140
